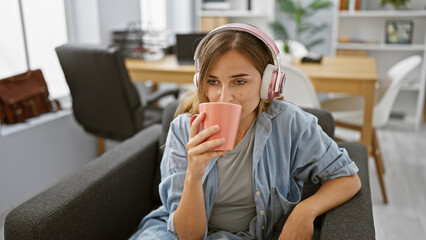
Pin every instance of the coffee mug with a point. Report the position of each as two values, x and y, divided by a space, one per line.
227 116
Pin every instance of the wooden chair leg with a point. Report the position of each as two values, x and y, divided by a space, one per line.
379 165
101 146
377 151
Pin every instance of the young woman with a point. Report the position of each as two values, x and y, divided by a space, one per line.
254 191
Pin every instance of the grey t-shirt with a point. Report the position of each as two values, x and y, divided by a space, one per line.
234 207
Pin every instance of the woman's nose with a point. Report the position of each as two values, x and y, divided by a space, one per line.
226 94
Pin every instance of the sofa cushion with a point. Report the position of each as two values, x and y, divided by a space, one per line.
111 192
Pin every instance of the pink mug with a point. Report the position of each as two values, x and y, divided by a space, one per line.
227 116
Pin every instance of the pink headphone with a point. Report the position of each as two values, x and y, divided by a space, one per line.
273 77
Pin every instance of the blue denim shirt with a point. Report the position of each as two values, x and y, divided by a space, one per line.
290 149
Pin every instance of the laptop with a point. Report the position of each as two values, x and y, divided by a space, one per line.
185 47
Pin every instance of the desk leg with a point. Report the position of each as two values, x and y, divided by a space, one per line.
367 91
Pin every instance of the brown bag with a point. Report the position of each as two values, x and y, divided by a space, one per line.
24 96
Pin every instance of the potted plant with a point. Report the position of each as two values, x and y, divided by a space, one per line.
305 30
287 57
396 4
287 47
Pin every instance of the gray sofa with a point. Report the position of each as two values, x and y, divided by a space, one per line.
107 198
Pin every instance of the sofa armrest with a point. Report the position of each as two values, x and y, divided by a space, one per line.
106 199
353 219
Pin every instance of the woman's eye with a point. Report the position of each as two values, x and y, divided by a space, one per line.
212 82
240 82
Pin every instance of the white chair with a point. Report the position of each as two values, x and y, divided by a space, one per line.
349 111
298 88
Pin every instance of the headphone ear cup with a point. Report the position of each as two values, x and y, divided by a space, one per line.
281 82
268 79
196 80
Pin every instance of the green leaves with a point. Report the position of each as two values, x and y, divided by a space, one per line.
320 4
279 30
300 15
314 42
286 47
396 3
287 6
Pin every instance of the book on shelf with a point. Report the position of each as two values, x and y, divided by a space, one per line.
352 5
353 40
351 52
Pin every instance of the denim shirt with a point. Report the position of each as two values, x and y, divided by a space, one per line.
290 149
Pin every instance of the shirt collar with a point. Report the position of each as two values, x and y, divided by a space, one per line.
276 108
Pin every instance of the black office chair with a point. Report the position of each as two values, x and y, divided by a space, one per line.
105 101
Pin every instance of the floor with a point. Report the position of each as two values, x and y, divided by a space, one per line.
404 156
404 217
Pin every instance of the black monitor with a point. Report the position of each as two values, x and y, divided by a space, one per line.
185 47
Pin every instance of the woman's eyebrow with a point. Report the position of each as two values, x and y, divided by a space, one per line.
240 75
233 76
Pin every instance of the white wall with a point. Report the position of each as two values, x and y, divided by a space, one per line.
115 15
83 21
180 16
91 21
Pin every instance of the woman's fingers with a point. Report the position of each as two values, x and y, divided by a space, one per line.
212 154
205 147
198 149
195 126
202 136
197 163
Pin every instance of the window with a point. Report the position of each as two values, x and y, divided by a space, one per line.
45 29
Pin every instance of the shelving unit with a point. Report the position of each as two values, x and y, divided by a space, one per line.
257 12
369 28
380 47
382 13
232 14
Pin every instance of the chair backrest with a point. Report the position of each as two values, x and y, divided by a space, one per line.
390 87
298 88
105 102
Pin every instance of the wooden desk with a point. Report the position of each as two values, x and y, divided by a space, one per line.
166 70
342 74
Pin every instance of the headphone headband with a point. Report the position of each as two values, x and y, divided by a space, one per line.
244 28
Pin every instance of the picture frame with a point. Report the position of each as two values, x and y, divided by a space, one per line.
399 31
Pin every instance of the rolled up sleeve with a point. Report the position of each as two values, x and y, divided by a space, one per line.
317 157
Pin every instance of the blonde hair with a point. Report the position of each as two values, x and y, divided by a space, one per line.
213 48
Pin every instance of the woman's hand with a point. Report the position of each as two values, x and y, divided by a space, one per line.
299 225
200 151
